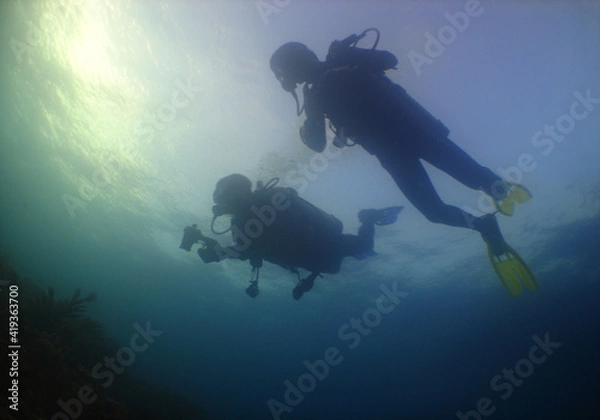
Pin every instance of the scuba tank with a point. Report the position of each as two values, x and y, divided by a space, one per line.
300 217
334 49
335 58
409 110
337 47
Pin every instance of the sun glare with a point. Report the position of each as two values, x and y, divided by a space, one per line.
87 52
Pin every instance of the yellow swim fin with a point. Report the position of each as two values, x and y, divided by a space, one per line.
516 194
513 271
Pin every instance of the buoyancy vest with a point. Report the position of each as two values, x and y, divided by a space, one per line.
356 95
284 229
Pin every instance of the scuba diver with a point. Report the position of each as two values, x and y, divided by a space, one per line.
275 224
363 106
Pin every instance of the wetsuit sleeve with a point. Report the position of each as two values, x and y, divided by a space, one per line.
312 131
212 251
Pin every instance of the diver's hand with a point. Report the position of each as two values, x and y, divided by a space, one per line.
208 254
191 235
303 134
307 93
312 132
313 136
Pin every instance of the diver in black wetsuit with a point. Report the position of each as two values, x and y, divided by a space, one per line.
351 90
275 224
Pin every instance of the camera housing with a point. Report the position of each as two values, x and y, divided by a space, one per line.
191 235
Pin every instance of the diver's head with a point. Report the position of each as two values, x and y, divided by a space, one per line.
293 63
231 194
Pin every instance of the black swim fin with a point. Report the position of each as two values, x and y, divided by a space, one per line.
380 217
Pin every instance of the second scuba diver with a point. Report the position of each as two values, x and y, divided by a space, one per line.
351 90
276 225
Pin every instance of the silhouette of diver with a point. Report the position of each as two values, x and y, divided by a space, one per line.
351 90
275 224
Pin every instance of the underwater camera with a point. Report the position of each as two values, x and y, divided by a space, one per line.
191 235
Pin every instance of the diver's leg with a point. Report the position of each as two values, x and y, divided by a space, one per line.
366 235
361 244
412 179
448 157
304 285
358 245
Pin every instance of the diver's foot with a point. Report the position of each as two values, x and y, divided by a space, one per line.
365 254
304 286
514 194
381 217
487 226
513 271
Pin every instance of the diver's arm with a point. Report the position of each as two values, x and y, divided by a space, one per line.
208 250
212 251
312 131
208 247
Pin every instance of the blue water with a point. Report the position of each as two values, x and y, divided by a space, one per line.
118 118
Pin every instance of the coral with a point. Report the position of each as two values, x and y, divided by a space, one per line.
56 338
49 314
59 345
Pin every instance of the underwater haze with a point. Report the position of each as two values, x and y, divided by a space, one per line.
119 117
